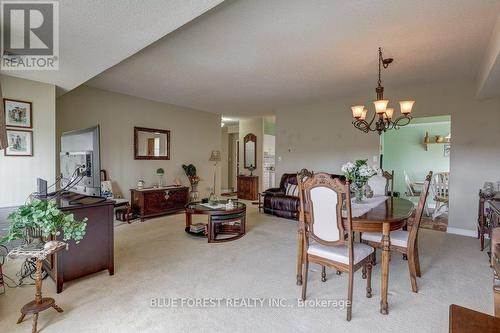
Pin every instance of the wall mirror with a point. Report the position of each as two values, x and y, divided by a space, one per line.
151 144
250 151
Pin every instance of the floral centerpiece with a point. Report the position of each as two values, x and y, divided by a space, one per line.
37 220
358 174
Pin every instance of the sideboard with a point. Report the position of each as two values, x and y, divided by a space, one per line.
159 201
248 187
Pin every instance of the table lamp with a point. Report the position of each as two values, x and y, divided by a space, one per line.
214 157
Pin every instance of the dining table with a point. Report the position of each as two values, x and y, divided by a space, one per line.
391 214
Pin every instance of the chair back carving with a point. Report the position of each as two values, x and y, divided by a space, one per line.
419 211
322 199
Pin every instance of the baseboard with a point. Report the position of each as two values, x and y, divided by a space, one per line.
462 232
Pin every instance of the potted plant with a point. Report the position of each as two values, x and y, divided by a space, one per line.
160 172
190 171
37 220
358 174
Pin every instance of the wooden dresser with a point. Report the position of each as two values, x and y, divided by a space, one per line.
248 187
94 253
151 202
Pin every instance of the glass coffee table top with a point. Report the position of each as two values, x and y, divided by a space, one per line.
198 206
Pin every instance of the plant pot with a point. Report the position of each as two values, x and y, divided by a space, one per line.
34 238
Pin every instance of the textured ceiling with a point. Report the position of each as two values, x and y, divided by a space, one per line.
253 56
97 34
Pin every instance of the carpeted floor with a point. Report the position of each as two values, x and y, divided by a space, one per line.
157 259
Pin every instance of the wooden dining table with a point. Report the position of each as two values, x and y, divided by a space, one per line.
388 216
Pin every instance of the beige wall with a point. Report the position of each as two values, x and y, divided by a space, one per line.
194 134
18 174
254 126
319 136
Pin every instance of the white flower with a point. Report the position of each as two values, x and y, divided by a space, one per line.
366 171
348 167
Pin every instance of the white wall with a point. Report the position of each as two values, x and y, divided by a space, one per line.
193 134
18 174
318 135
254 126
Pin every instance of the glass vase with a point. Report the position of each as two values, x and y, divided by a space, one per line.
358 189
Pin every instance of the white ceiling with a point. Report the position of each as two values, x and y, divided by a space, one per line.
253 56
97 34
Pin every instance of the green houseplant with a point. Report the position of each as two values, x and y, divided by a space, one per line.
160 173
42 218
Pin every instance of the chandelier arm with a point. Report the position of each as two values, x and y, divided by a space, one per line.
402 121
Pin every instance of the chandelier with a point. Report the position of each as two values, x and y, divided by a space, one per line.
383 118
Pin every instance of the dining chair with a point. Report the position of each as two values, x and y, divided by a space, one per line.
405 242
440 187
327 241
413 192
302 175
379 183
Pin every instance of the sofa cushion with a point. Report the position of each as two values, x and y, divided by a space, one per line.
292 190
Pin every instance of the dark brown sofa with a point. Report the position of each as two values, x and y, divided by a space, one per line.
277 203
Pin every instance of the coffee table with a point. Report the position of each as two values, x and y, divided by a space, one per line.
228 223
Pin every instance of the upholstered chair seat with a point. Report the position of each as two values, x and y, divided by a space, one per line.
340 253
398 237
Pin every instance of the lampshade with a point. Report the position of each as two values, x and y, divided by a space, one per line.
406 106
381 105
388 113
357 111
363 114
215 156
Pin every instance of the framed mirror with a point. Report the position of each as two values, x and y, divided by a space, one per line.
151 144
250 151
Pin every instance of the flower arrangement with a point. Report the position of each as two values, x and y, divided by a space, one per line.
358 174
190 171
45 217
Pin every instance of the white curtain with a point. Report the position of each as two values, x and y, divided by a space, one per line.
3 132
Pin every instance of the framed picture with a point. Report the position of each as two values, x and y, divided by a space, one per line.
20 143
18 113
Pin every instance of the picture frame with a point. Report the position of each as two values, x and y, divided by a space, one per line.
20 143
18 113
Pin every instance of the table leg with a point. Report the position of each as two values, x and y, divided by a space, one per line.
300 246
188 220
386 251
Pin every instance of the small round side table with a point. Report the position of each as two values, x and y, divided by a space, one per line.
40 303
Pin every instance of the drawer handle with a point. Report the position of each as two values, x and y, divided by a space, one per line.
167 195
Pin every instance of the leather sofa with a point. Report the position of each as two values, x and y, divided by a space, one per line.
277 203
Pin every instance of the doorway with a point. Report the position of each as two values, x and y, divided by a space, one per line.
412 151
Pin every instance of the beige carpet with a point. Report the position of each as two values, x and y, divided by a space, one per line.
158 259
